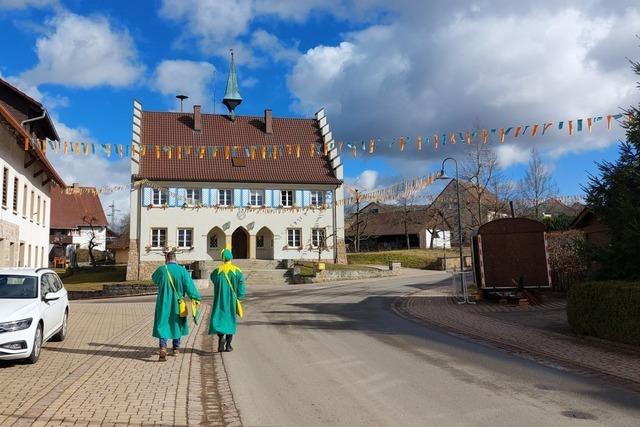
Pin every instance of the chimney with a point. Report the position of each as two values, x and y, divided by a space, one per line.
76 186
268 123
197 118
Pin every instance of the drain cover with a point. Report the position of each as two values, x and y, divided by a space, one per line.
579 415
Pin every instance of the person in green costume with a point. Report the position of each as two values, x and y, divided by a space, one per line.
173 281
228 285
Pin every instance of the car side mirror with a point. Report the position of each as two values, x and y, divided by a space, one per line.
50 296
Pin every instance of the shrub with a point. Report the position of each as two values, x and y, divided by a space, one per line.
566 257
607 309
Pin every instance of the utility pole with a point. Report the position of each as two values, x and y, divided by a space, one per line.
357 245
112 214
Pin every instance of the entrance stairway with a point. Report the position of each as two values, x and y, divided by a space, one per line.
257 271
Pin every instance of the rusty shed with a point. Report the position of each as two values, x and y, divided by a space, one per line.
510 252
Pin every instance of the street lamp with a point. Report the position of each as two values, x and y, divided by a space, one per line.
442 175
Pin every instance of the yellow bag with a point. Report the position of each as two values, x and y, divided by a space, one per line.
182 305
239 309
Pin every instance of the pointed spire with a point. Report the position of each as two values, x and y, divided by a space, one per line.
232 96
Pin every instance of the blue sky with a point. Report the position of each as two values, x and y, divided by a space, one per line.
381 70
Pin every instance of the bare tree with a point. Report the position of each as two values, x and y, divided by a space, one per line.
93 238
480 168
537 185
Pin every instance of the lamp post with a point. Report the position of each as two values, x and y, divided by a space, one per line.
443 175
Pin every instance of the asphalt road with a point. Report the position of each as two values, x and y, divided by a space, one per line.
337 355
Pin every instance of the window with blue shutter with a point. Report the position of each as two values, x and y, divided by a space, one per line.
306 198
298 199
245 197
237 197
206 196
146 196
329 197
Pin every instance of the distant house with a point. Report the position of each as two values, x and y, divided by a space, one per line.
77 217
553 207
119 247
387 226
27 179
594 230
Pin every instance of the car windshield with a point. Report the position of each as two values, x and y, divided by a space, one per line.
18 287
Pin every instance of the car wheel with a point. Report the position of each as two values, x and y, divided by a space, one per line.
37 346
62 333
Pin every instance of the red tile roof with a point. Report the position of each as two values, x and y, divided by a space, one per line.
70 207
176 129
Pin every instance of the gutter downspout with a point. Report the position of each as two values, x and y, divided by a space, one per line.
44 114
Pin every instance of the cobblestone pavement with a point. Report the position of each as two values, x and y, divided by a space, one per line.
106 373
492 323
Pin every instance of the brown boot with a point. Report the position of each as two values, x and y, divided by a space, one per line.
162 355
174 352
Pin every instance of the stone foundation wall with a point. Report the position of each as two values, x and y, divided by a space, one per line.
342 252
132 263
10 234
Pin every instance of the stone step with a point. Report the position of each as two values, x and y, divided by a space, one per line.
249 264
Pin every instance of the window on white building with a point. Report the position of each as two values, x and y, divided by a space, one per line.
24 200
317 198
38 211
294 237
213 242
260 241
16 185
158 237
5 187
44 213
286 198
225 197
159 197
185 237
194 196
318 237
256 197
33 206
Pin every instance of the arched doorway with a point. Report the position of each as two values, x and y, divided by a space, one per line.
240 243
216 242
264 243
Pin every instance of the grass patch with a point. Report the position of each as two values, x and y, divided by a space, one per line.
411 258
109 274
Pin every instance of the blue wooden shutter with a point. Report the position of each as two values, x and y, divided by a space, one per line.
214 197
206 197
275 199
306 198
298 198
237 197
268 198
172 196
328 197
146 196
181 196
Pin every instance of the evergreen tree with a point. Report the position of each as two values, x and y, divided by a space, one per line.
614 197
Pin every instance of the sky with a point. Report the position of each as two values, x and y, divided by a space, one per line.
381 70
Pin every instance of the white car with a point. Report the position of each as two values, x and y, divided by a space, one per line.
34 308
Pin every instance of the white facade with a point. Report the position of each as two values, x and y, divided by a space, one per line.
82 235
441 240
24 207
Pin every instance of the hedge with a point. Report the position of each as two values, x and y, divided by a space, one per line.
607 309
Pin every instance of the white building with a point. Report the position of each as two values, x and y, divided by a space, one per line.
27 179
263 185
77 218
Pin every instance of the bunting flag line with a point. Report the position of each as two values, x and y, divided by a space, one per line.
267 152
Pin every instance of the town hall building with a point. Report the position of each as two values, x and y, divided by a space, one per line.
271 188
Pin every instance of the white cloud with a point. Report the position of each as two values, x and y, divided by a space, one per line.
367 180
191 78
271 45
511 154
85 52
24 4
436 67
